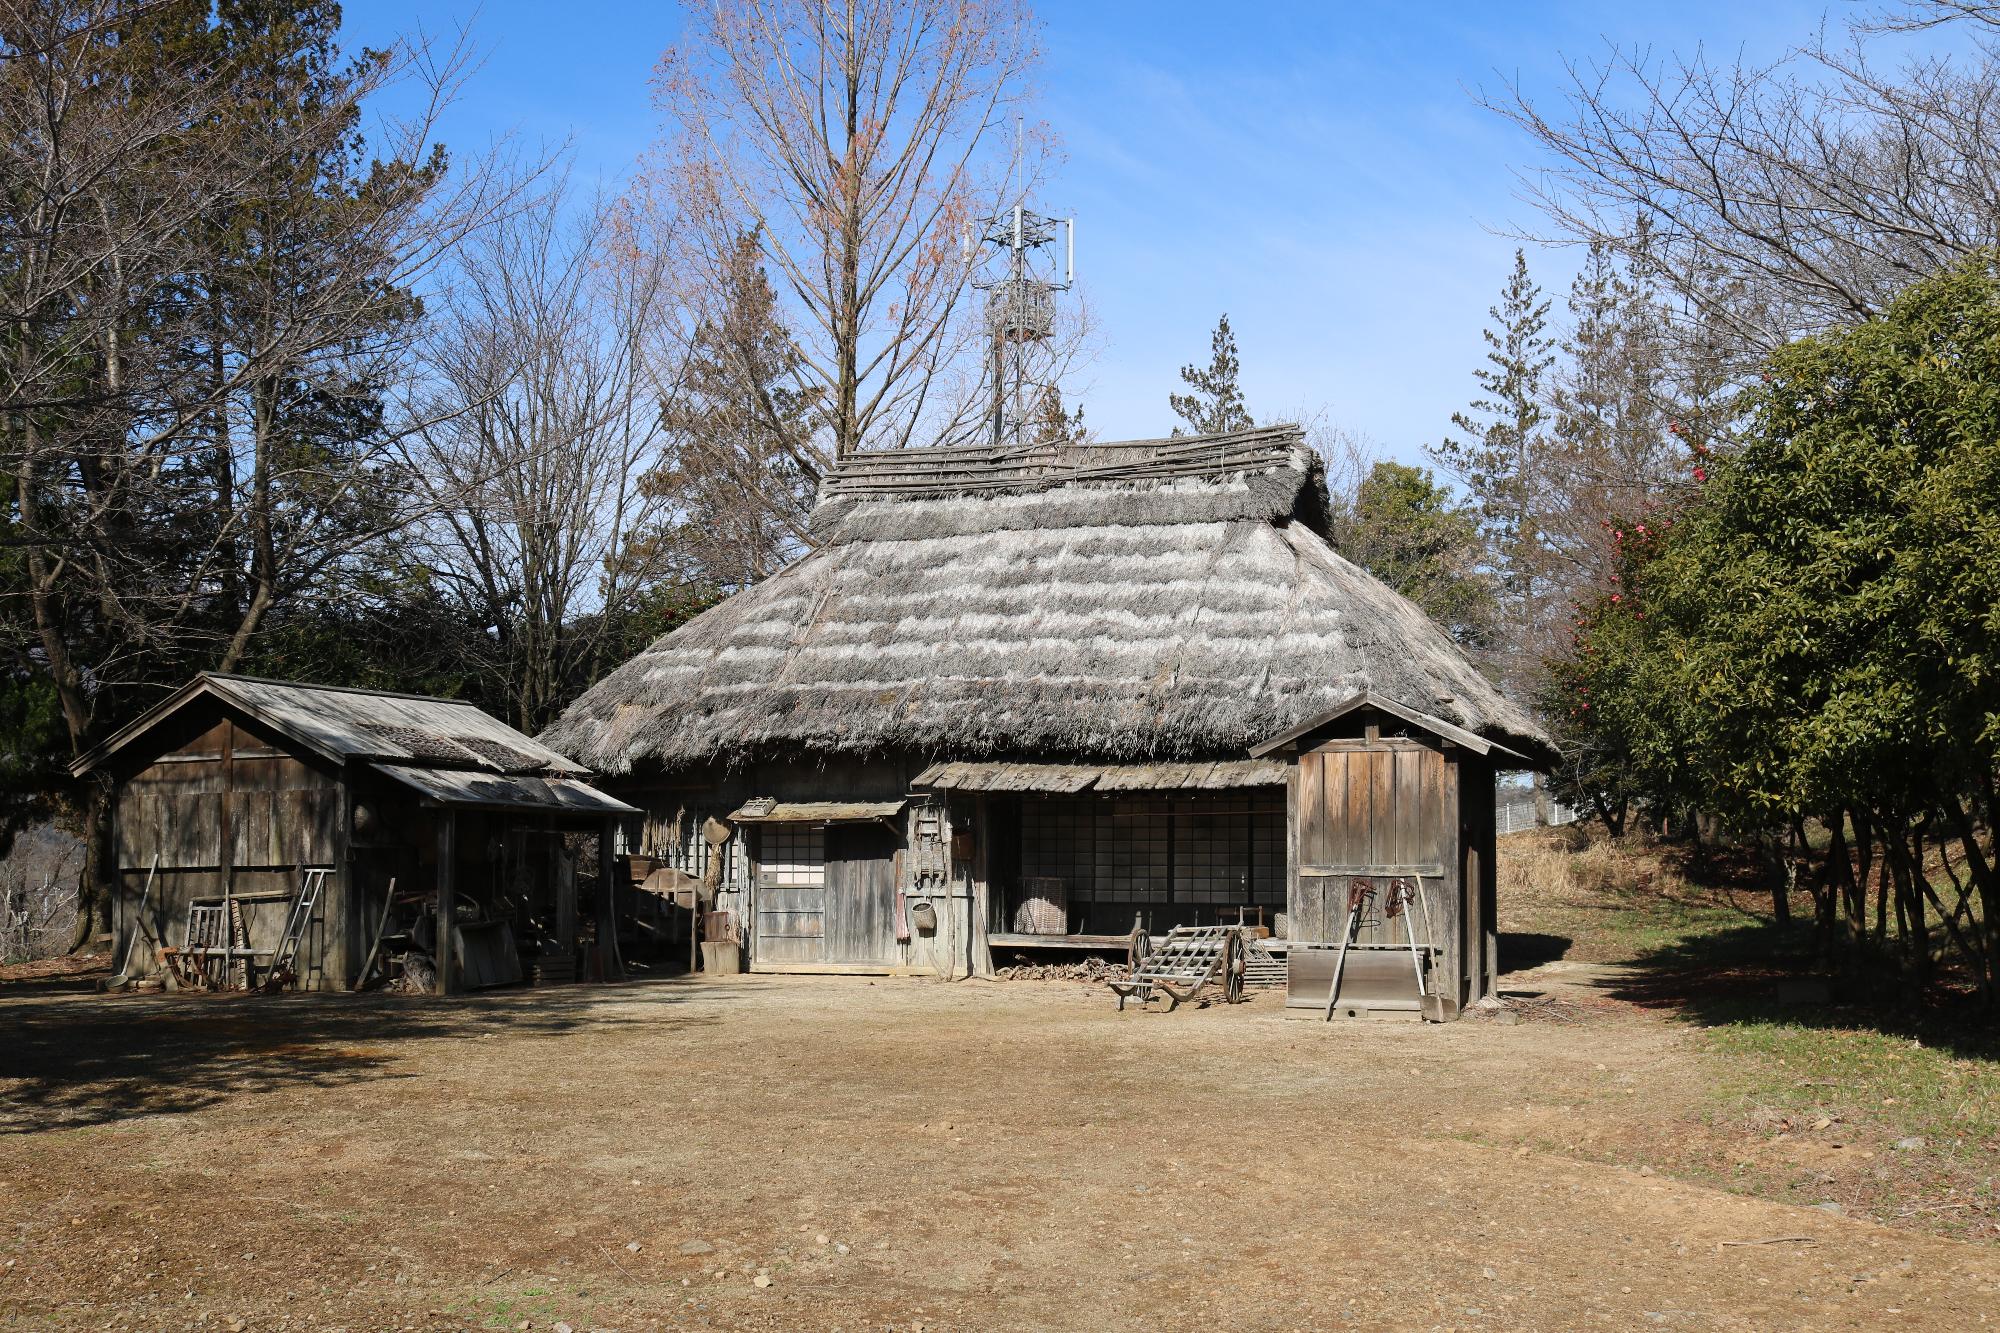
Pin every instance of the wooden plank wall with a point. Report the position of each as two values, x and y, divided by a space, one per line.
695 794
1385 807
1375 809
861 894
1378 809
231 812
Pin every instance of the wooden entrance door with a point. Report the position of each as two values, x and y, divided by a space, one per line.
791 895
825 895
860 894
1364 809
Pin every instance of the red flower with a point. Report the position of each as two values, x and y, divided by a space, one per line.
1701 474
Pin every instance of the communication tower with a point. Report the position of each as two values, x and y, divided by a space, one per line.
1020 280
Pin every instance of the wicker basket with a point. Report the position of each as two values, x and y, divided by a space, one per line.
1044 907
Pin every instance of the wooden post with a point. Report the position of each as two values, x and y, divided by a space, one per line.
1451 854
979 892
565 909
228 835
1295 918
447 902
1489 916
607 883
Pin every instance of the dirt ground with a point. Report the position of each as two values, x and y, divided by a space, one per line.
840 1153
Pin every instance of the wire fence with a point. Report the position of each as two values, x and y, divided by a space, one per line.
1514 816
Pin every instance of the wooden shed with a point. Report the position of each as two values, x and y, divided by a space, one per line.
242 796
1382 799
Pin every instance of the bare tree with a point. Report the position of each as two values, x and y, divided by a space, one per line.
546 415
853 140
206 295
1778 198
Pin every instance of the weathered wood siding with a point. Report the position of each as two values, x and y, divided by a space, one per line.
860 894
1373 809
231 812
848 918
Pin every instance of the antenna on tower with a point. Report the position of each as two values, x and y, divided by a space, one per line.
1020 283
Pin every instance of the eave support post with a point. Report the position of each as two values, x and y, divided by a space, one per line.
607 879
447 900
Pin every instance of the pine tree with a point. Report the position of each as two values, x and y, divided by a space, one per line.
1500 454
1052 423
740 492
1401 525
1613 450
1216 405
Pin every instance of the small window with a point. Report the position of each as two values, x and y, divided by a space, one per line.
792 856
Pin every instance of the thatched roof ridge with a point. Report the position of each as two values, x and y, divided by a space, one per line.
1165 600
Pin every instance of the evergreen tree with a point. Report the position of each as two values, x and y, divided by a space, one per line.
1216 403
1613 452
1052 423
1500 454
1405 528
739 489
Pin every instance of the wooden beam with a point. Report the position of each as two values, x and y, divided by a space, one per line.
565 910
339 970
447 900
979 901
607 897
227 818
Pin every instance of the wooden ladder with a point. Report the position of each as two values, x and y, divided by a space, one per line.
284 961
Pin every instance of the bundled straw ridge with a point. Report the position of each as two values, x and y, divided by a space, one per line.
1170 599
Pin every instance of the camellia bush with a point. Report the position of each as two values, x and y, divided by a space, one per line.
1813 634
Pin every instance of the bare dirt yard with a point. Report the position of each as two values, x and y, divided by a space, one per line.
840 1153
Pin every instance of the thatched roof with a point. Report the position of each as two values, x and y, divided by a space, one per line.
1165 599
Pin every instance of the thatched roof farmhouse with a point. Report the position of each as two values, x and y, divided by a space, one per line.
1096 631
1159 600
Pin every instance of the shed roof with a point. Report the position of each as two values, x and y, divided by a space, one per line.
1436 726
815 812
341 723
463 789
1163 600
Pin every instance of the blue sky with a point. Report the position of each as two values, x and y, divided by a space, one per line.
1319 171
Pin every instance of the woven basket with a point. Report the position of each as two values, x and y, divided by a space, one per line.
1044 907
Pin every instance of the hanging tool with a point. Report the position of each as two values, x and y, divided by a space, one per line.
1404 898
1401 895
388 903
1360 892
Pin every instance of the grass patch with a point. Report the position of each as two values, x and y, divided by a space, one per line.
1819 1093
1615 900
1920 1124
1952 1102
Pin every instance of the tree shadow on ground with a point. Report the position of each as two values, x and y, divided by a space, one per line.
1762 973
1522 950
72 1061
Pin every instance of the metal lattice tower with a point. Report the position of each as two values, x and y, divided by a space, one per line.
1020 284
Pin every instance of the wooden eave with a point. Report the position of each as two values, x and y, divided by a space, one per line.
1436 726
